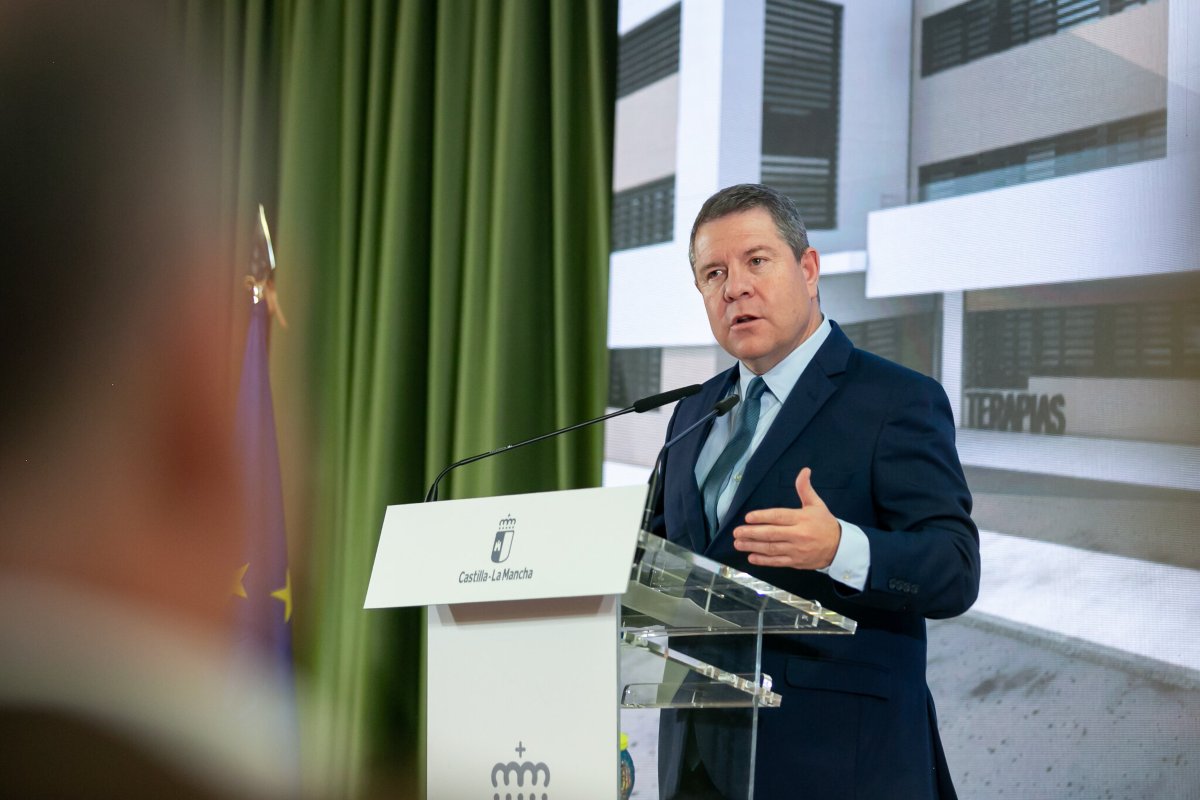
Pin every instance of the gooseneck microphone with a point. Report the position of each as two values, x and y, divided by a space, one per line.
639 407
654 485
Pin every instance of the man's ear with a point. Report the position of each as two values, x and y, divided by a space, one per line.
810 263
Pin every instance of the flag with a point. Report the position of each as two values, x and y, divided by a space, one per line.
262 585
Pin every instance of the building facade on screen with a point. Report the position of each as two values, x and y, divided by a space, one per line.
999 191
1005 195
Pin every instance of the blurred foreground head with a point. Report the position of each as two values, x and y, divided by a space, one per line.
114 441
119 526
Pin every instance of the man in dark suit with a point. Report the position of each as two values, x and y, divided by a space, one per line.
835 479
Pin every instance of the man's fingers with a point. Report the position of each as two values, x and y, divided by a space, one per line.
763 538
774 516
760 546
776 545
765 532
770 561
808 495
775 523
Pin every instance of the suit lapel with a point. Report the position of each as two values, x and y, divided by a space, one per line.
688 453
815 386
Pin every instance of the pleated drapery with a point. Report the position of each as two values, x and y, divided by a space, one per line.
438 179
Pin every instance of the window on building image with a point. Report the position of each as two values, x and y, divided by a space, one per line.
979 28
644 214
633 373
1125 141
909 339
801 105
649 52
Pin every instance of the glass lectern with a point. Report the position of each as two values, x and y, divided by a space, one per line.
691 639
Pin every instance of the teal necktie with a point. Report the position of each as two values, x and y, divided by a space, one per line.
738 444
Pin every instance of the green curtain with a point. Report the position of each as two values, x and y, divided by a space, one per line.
443 176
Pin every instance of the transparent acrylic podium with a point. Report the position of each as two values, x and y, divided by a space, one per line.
540 637
691 639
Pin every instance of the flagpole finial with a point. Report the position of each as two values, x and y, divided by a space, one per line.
260 282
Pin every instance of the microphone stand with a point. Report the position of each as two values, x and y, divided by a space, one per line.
643 405
654 485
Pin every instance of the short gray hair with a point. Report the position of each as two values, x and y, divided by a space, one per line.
748 196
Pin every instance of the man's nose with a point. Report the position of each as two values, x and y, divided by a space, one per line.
738 283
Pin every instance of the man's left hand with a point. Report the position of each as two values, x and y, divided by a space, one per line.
803 538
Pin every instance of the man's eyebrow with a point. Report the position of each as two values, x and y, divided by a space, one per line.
758 248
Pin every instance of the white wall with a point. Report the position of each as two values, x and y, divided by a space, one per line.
873 130
1137 219
652 301
843 297
720 101
1140 409
645 132
1087 75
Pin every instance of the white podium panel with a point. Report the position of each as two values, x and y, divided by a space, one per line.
522 665
523 699
516 547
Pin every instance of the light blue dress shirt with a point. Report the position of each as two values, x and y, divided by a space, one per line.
853 558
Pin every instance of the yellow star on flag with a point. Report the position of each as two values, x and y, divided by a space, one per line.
285 595
238 587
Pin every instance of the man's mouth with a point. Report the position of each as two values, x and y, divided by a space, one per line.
741 319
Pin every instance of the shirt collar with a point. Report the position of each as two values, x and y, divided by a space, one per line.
783 376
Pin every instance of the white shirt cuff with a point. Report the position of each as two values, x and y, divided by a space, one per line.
852 561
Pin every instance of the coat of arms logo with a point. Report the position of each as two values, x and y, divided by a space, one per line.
502 545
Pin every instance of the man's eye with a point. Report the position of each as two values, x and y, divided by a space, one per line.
757 261
713 275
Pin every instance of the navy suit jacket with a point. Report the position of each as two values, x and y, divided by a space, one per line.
857 719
